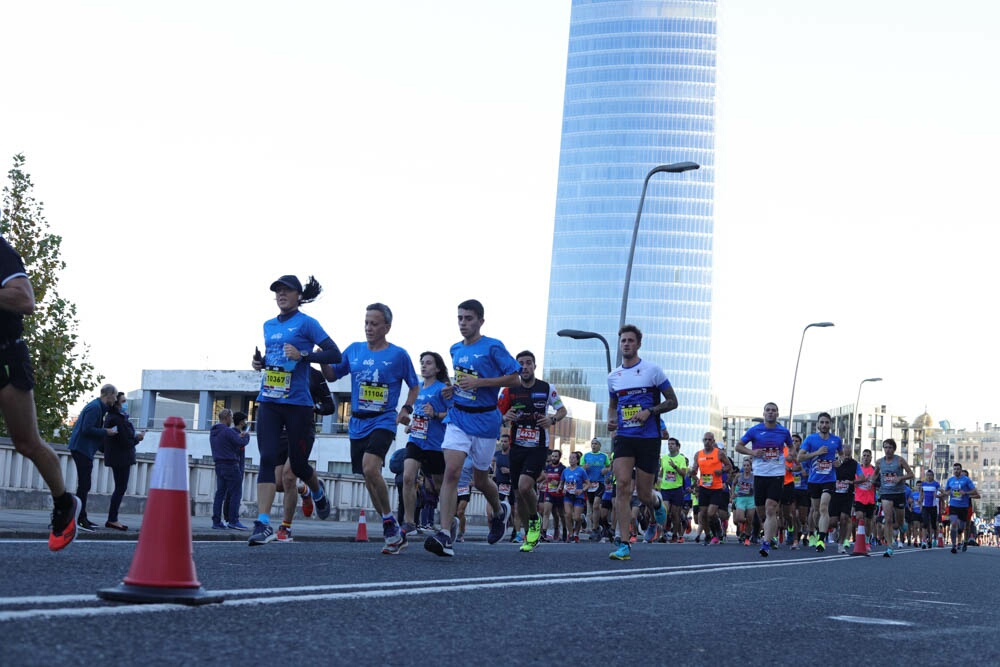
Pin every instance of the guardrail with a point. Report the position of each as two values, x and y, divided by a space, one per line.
21 487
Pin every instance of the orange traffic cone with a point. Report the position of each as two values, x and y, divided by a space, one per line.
860 543
362 535
163 565
940 539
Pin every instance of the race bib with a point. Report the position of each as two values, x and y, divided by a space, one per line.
670 476
889 478
824 467
797 478
467 394
629 413
553 486
957 493
463 490
504 488
527 436
418 427
277 383
570 487
706 480
843 486
771 454
744 489
865 486
372 396
594 486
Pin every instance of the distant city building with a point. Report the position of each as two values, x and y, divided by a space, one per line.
640 92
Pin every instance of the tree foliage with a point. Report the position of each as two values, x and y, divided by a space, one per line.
62 372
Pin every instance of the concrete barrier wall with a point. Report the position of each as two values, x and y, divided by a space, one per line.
21 487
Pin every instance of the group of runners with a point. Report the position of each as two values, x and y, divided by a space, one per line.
486 426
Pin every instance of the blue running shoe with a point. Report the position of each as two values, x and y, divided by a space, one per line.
650 533
660 514
887 553
765 548
622 552
262 534
498 524
395 548
440 544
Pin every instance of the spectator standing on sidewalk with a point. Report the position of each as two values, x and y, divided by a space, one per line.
242 426
87 438
119 455
227 451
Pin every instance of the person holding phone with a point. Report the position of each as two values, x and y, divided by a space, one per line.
119 455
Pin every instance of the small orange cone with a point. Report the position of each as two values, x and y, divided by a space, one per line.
940 539
362 535
860 543
163 565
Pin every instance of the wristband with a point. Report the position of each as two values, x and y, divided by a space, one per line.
408 408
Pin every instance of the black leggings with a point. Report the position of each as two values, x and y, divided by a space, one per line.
121 474
297 421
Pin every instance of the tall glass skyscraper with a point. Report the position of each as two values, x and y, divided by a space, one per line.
640 92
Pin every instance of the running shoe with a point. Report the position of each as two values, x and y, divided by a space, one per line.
534 534
219 526
680 540
460 538
795 546
498 524
965 547
650 534
842 549
84 526
660 514
64 524
746 543
812 541
633 539
262 534
455 524
765 548
440 544
323 505
820 546
622 552
887 553
409 528
954 550
237 526
715 540
392 533
789 537
519 538
923 545
284 534
307 502
393 549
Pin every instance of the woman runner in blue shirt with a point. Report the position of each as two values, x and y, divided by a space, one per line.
284 401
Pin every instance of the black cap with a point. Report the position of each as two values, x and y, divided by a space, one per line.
291 282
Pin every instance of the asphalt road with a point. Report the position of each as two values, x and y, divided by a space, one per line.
344 603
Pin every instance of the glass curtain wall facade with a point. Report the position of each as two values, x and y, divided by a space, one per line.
640 92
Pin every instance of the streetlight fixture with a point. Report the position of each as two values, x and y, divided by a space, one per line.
577 334
856 418
791 402
675 168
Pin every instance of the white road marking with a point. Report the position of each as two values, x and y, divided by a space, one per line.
865 620
384 589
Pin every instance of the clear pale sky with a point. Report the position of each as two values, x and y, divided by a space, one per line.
407 152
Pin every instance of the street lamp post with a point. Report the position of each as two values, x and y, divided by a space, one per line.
675 168
791 402
856 418
576 334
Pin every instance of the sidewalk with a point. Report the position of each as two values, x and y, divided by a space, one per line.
34 524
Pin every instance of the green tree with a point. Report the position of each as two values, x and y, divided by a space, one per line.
62 372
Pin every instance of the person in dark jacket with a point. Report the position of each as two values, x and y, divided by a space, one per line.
87 438
119 455
242 426
227 450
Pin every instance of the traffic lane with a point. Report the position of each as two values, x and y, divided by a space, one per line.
421 593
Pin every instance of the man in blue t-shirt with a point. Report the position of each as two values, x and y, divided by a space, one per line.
377 369
482 366
634 408
928 508
821 450
767 446
959 490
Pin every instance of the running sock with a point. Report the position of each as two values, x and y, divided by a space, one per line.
389 517
286 524
264 519
303 490
63 502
